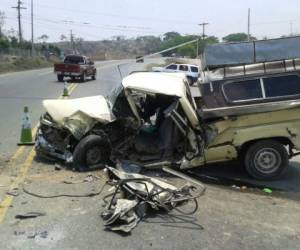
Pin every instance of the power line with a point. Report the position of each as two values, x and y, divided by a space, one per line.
102 26
19 7
116 15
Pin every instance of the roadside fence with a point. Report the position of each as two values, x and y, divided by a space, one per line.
11 52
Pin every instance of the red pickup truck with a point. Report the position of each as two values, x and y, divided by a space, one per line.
75 66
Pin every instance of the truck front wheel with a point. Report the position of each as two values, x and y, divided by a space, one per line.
266 160
60 78
90 153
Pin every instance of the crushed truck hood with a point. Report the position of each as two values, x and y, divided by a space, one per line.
79 115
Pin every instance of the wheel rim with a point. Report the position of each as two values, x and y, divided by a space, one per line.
93 156
267 160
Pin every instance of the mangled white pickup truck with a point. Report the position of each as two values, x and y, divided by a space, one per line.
149 119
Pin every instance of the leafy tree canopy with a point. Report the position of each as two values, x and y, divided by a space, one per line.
237 37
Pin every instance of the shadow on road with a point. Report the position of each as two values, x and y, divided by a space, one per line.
233 174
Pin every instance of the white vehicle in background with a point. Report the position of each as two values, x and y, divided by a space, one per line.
191 71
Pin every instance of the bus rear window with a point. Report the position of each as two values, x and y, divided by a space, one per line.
243 91
282 86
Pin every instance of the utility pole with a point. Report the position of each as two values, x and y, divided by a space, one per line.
291 28
72 42
203 35
32 34
249 13
19 7
203 29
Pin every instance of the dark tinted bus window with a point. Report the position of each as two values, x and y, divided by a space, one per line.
243 91
282 86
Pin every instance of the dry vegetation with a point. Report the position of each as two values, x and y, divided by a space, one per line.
12 64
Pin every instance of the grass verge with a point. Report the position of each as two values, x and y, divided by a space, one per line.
22 63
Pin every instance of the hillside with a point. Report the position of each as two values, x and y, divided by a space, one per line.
113 49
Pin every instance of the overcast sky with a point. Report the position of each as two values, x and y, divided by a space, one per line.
100 19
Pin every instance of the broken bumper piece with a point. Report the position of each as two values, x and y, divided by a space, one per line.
135 194
43 147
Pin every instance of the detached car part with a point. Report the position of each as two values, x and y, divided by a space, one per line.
139 194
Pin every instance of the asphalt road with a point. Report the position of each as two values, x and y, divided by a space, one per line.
228 217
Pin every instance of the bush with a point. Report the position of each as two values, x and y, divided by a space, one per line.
4 43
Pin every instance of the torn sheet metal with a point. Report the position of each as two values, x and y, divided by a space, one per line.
150 185
138 193
79 115
122 217
163 83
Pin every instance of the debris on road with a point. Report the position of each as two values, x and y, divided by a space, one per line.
42 234
46 194
13 192
29 215
17 233
88 178
135 194
268 190
122 217
57 167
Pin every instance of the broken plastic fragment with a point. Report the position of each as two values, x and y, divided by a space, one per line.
268 190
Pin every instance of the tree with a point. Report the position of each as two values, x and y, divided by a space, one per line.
14 41
54 49
149 44
170 35
2 22
4 43
206 41
189 50
43 38
237 37
63 37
